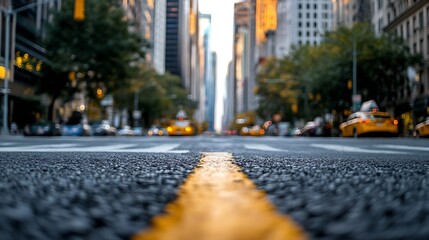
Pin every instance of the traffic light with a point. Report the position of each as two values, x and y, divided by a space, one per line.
79 10
349 84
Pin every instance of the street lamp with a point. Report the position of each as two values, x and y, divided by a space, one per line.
6 90
356 99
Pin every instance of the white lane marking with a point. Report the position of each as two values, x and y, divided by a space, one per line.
6 144
163 148
61 145
404 147
342 148
67 148
263 147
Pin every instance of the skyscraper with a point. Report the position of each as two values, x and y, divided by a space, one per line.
301 22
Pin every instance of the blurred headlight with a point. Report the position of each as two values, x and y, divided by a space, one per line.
188 129
169 129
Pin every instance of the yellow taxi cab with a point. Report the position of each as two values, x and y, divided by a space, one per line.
368 123
244 131
422 129
256 131
180 128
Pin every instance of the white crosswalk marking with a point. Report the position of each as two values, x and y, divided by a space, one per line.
63 145
404 147
263 147
162 148
342 148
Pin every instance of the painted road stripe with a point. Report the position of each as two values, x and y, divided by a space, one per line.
404 147
218 201
342 148
263 147
162 148
60 145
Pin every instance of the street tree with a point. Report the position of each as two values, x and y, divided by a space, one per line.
321 76
382 62
276 89
157 96
100 52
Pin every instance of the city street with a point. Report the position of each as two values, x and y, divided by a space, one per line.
113 187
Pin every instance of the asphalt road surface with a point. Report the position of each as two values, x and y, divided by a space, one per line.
112 187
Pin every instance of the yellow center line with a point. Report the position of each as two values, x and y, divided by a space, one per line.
219 202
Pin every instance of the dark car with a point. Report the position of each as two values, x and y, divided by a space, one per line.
316 128
43 128
81 128
103 128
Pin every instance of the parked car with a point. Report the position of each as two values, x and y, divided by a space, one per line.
103 128
157 131
318 127
369 123
244 131
296 131
422 129
43 128
77 128
126 131
180 128
256 131
138 131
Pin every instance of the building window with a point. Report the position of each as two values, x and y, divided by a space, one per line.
299 33
325 25
315 6
408 29
299 24
427 45
299 42
308 24
421 21
380 4
315 15
315 24
299 15
308 15
414 24
308 6
300 6
308 34
325 6
315 34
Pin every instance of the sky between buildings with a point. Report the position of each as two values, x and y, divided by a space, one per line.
222 38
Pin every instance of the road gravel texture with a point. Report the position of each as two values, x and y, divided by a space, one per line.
86 196
347 196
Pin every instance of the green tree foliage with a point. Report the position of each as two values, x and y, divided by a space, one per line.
381 66
277 89
159 97
101 50
319 75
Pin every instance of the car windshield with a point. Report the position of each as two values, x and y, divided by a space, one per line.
377 116
182 123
